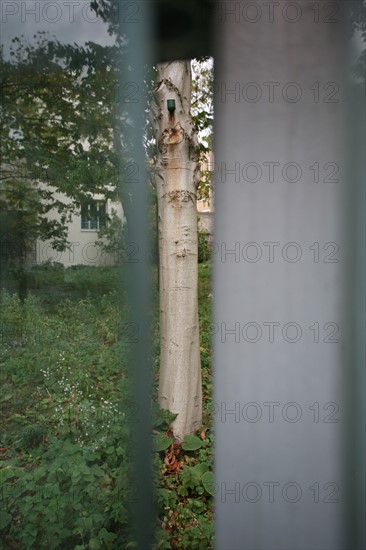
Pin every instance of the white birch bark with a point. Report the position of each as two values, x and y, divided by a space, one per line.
177 177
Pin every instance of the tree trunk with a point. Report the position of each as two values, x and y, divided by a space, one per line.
177 177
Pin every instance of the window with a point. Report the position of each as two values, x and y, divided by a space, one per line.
93 215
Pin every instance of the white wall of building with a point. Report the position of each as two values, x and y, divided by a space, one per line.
82 242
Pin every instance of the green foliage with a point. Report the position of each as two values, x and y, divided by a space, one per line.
68 420
204 249
112 238
68 425
192 479
203 116
60 132
202 100
65 495
356 26
191 443
162 418
92 280
161 442
184 482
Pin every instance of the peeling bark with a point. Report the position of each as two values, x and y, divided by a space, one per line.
177 177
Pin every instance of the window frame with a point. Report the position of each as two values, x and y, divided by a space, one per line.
98 204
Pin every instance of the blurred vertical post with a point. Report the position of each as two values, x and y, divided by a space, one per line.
356 464
284 348
135 25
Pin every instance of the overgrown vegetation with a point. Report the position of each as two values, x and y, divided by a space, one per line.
204 247
68 415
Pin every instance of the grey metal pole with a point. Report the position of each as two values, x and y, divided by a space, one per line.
282 348
135 23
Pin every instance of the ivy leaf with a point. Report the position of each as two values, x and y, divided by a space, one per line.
191 443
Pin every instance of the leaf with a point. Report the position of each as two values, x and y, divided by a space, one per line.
106 535
161 442
200 469
163 418
208 481
39 473
97 470
171 459
191 443
182 491
5 519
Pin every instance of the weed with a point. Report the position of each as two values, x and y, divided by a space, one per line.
68 420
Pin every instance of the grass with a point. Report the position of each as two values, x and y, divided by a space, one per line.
68 417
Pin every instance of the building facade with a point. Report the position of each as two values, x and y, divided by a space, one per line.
84 246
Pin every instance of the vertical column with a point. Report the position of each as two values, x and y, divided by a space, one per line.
282 346
135 24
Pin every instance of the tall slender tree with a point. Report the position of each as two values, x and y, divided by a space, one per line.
177 177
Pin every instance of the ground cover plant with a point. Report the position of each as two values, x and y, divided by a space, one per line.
67 415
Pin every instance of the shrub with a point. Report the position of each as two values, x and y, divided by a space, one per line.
204 250
68 420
